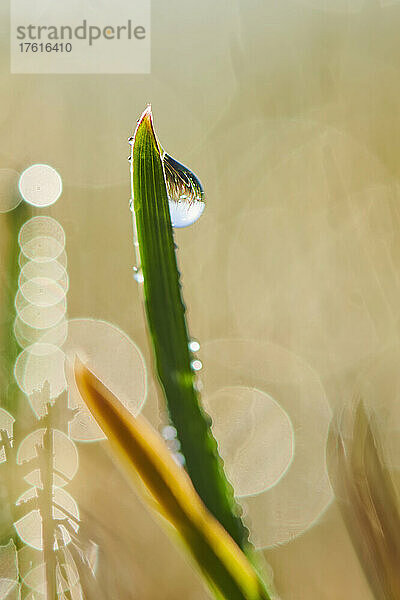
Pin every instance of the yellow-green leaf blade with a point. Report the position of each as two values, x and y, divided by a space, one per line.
143 453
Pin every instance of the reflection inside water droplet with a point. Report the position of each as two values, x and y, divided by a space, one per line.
182 183
186 194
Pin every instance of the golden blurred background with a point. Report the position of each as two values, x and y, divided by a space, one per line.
287 111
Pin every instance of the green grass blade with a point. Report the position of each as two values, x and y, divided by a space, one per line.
166 321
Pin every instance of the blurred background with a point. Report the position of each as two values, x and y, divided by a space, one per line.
288 114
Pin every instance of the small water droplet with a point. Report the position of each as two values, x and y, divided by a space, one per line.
138 275
131 204
130 158
196 365
179 459
169 432
198 385
194 346
131 140
174 445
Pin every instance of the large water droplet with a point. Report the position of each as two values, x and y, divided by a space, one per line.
186 194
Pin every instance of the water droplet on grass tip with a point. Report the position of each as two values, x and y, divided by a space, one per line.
186 194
